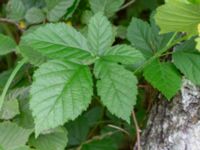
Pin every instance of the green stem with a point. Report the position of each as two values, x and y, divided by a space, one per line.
167 53
170 44
9 61
8 83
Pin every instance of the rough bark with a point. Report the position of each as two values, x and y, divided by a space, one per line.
174 125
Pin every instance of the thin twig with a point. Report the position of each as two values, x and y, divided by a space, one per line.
99 137
8 21
137 130
120 129
127 4
96 125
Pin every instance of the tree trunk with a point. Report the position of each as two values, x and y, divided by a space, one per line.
174 125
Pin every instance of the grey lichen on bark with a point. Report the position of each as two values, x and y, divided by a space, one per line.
175 124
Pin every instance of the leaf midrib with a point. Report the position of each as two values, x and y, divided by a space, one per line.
64 88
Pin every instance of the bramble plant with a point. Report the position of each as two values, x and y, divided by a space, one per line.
67 77
63 87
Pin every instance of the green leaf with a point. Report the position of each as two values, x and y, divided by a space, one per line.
71 9
15 10
9 110
55 140
93 115
117 88
19 93
139 33
36 3
24 148
198 43
24 119
109 7
7 44
57 8
176 16
160 41
13 136
100 34
103 144
78 130
58 41
198 38
59 93
145 37
124 54
121 32
164 77
86 16
32 55
34 15
187 60
194 1
4 77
